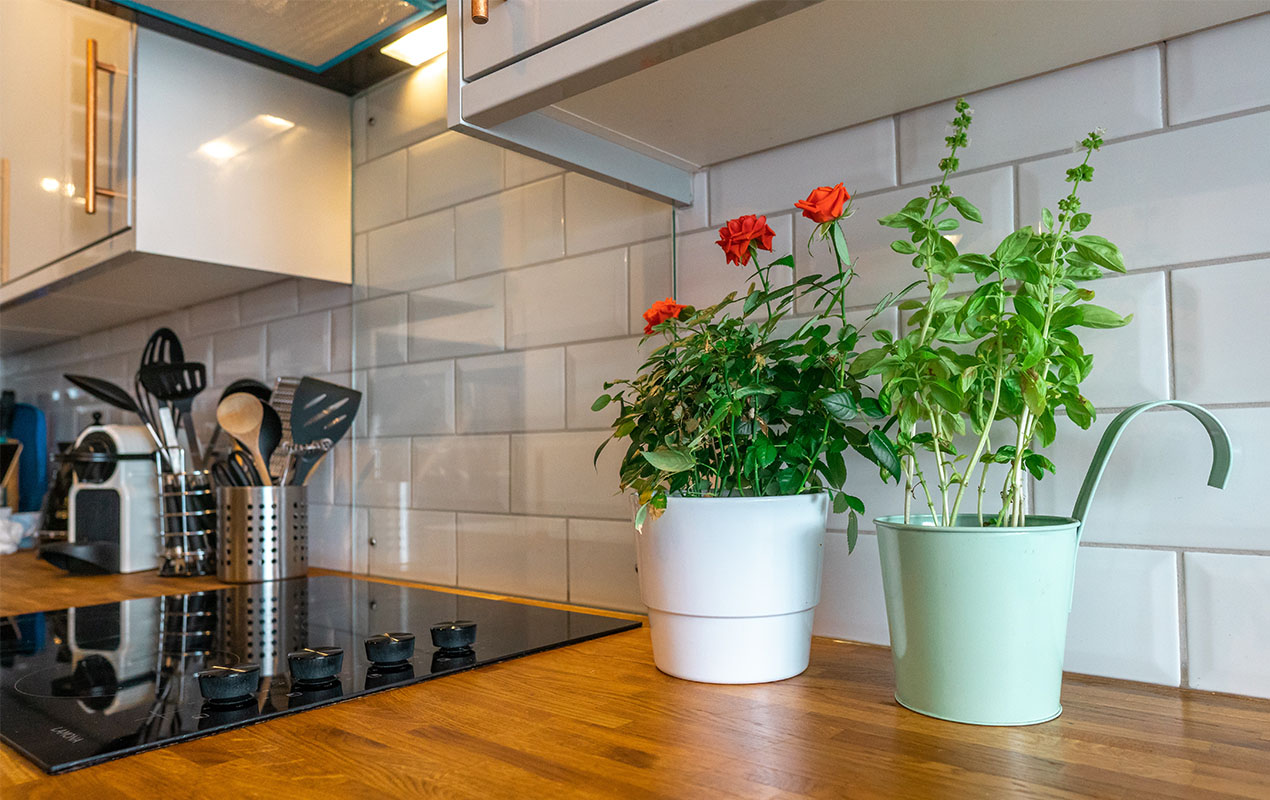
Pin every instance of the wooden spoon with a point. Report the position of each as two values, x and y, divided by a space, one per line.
242 415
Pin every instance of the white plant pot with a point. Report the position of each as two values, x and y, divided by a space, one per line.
731 585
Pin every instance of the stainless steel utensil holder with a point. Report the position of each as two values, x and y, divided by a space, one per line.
264 533
187 510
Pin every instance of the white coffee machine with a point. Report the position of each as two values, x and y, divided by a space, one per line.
113 523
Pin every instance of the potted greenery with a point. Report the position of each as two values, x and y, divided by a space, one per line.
977 602
736 430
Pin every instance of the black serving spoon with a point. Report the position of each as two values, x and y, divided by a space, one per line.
114 395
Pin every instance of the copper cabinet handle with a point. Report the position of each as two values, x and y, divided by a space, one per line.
4 220
480 11
91 190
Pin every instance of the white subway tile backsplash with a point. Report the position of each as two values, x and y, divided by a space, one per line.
852 605
1219 71
412 545
525 556
342 337
598 215
459 319
411 254
461 473
214 316
593 289
320 295
587 367
331 537
380 336
704 277
552 473
450 169
1039 115
1124 621
518 169
411 399
406 109
602 565
770 182
1227 601
651 278
300 345
697 215
1131 364
879 269
1172 198
379 191
240 353
517 227
381 472
1154 491
359 129
511 392
270 302
361 266
1221 332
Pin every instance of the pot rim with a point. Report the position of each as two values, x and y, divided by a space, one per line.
678 498
923 523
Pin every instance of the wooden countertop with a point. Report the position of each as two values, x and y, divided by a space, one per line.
598 720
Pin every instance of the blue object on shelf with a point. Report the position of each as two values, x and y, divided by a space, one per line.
31 429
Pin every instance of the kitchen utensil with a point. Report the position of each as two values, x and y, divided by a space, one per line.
163 347
248 385
263 534
253 424
320 411
283 394
116 396
177 385
187 508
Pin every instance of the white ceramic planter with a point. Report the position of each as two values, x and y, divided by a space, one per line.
731 584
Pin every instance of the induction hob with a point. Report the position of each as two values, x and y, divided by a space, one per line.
84 685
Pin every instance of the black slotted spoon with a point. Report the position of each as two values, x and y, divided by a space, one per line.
177 385
321 415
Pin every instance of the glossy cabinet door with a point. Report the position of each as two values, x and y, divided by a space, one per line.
517 28
240 165
43 101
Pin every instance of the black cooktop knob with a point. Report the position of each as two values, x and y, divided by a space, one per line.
315 664
229 684
390 648
457 635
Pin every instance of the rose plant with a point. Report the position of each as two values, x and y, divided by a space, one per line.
1007 352
744 398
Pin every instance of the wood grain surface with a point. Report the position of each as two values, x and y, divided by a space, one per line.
598 720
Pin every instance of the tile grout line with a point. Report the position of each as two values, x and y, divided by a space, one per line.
1170 339
1165 114
1183 628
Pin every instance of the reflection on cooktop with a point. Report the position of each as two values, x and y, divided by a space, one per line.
84 685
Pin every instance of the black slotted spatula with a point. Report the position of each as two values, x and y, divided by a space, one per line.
321 415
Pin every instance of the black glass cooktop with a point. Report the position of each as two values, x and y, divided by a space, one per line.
88 684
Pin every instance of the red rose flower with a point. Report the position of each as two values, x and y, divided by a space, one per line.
661 311
736 236
824 204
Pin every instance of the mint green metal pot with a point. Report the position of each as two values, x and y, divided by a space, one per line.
978 615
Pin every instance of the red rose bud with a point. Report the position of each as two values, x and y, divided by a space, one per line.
736 236
824 204
661 311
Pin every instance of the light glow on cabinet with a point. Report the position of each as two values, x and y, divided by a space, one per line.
252 133
420 45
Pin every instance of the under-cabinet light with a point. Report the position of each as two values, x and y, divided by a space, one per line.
420 45
50 184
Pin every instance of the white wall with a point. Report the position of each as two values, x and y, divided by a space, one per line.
1173 580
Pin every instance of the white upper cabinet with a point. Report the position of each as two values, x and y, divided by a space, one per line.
518 28
46 92
642 94
212 175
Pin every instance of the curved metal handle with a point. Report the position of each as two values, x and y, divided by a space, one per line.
1216 433
480 11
